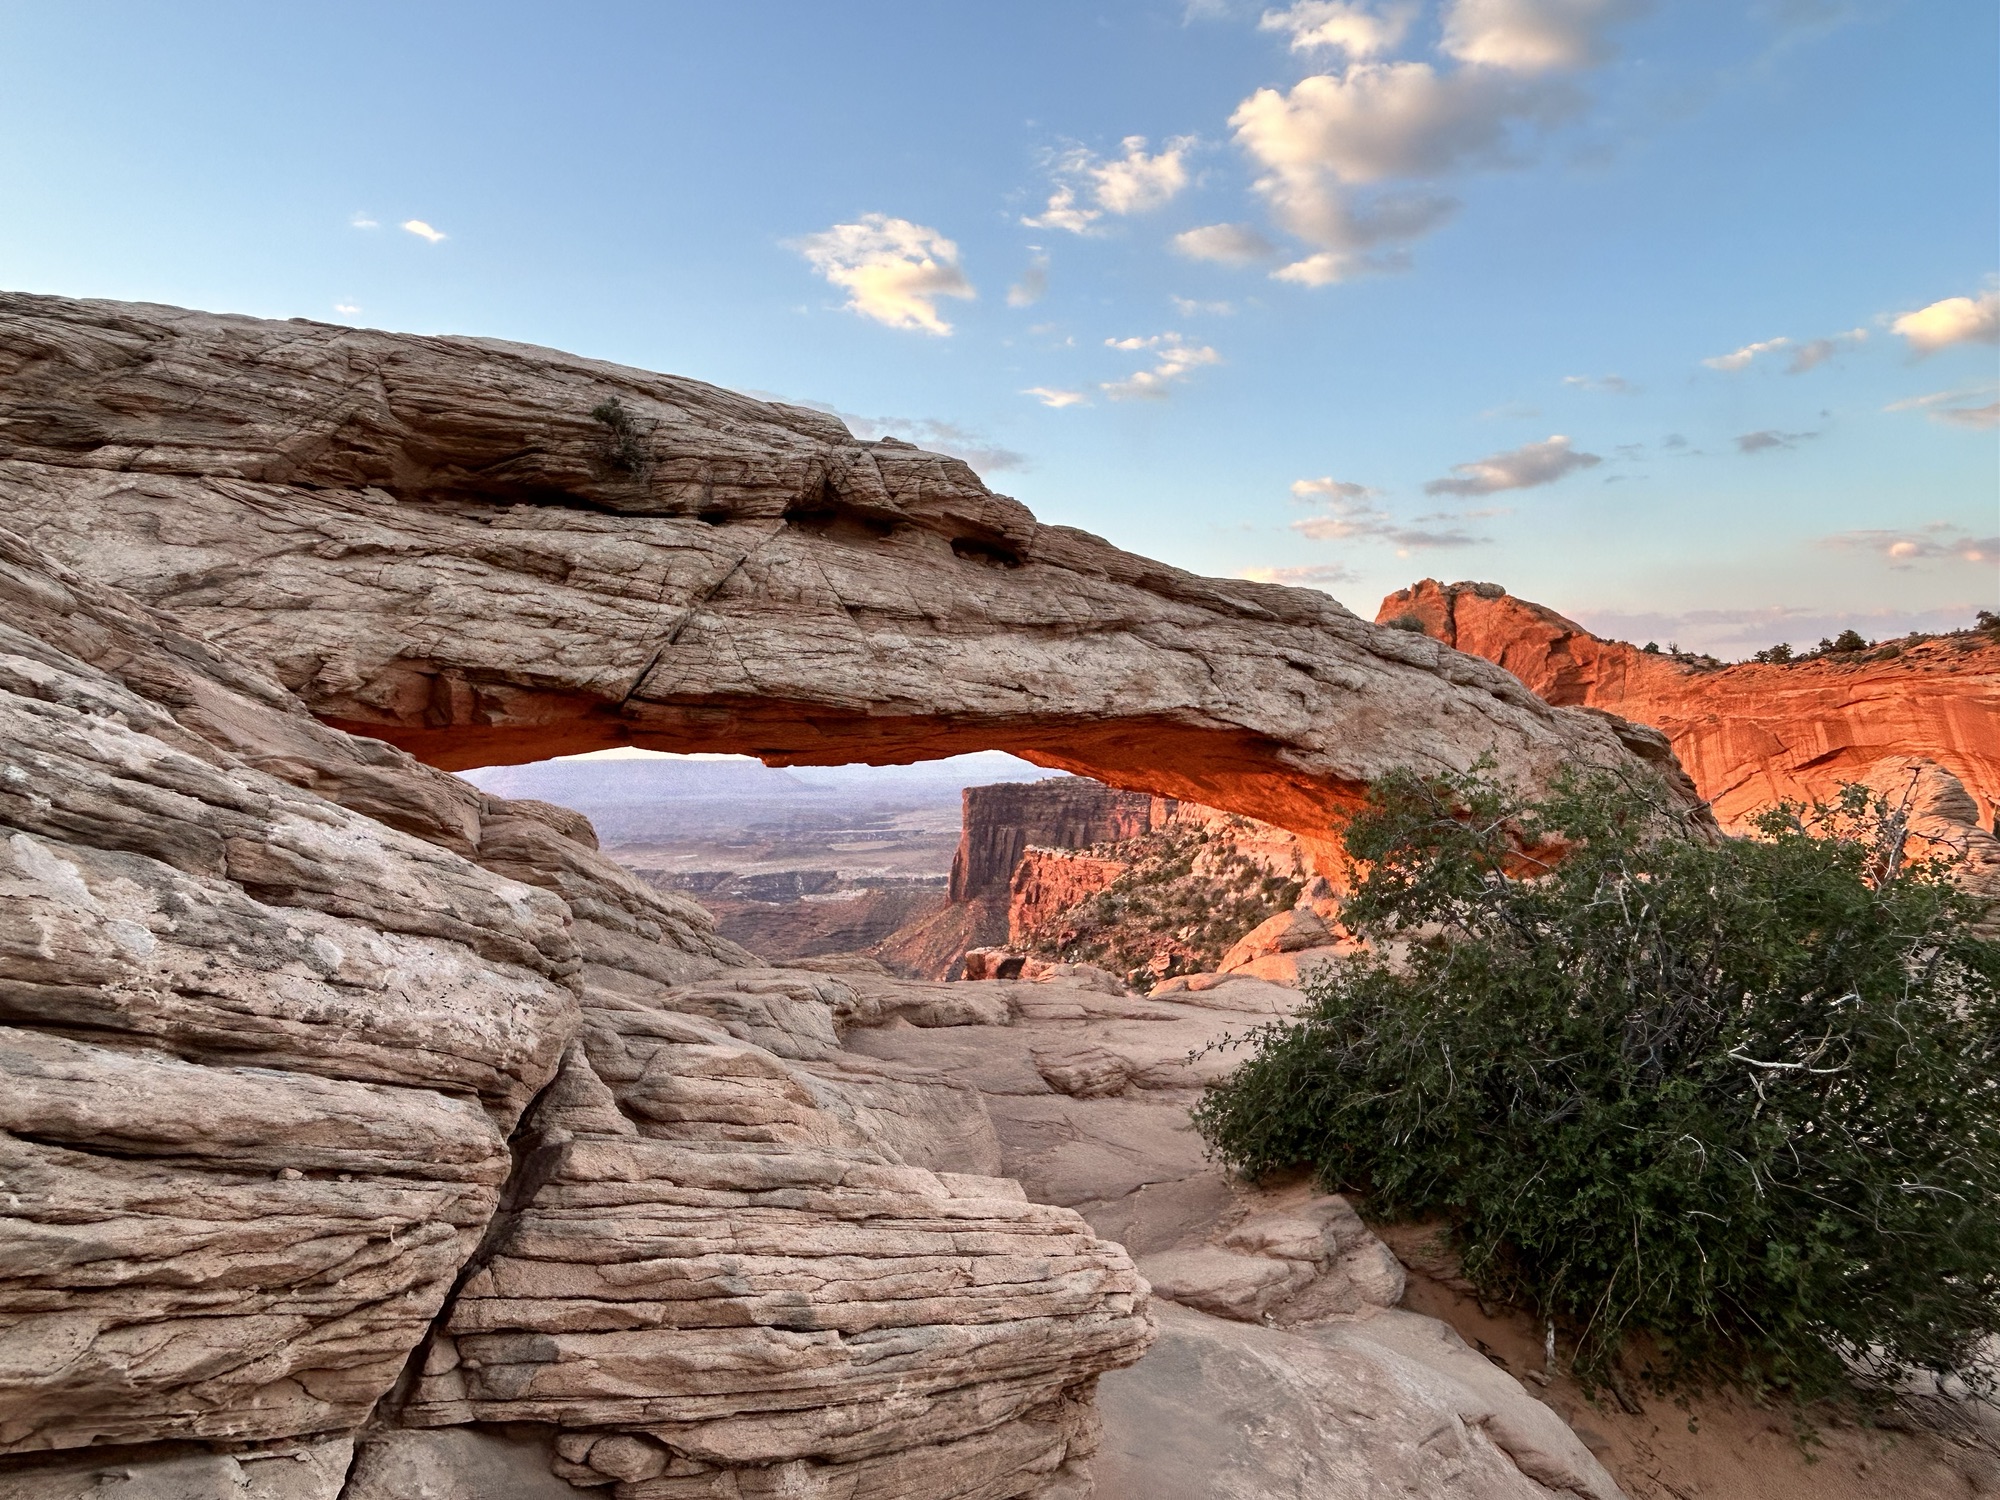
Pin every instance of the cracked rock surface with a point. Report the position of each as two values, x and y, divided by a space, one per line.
364 1137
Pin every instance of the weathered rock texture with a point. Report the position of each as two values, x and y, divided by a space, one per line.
1754 734
343 1100
1001 823
465 548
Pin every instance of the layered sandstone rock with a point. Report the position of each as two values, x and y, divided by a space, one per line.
263 1057
343 1100
1753 734
487 553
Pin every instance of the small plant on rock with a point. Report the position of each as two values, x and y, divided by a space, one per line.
1738 1099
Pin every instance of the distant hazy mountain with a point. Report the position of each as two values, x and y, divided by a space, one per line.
639 799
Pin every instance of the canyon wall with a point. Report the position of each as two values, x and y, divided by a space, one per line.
1752 734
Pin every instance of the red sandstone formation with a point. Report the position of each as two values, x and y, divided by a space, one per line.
1063 812
1753 734
1048 882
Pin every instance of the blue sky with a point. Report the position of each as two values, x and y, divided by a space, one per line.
1679 317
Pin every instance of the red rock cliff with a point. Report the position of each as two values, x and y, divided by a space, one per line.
1063 812
1753 734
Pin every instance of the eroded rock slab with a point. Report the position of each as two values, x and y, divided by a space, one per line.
442 542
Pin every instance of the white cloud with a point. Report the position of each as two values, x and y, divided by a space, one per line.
1351 514
1941 541
1033 285
1532 36
1379 121
1316 575
1955 320
1327 488
1520 468
363 221
1063 212
347 307
1333 136
1134 183
892 270
1052 396
1137 183
423 231
1173 359
1231 244
1740 360
1359 30
1187 307
1616 385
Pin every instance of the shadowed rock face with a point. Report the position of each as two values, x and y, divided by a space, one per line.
489 553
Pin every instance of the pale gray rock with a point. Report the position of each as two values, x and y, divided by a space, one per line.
310 1471
443 541
457 1464
1230 1411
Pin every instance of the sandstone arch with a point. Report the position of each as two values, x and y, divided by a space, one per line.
341 1100
489 553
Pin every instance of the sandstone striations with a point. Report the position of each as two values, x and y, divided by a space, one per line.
348 1109
1753 734
484 553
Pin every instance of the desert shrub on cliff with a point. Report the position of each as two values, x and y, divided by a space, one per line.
1738 1096
1186 897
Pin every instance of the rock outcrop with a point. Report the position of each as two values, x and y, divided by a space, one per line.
1753 734
484 553
350 1112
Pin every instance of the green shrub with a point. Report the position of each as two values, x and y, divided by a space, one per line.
1736 1095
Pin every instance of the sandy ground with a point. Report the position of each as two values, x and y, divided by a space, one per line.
1716 1447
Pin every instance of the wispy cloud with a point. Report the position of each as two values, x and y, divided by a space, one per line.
424 231
1740 360
1975 418
892 270
932 433
347 307
1616 385
1357 30
1350 513
1050 395
1765 440
1816 352
364 220
1173 360
1230 244
1940 541
1731 633
1187 307
1033 285
1955 320
1520 468
1313 576
1089 187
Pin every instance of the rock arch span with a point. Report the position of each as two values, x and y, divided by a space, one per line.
489 553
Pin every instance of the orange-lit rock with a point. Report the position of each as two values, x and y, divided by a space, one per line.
1050 881
443 543
1753 734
